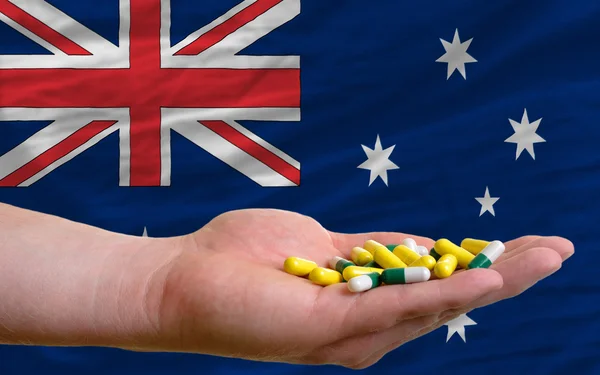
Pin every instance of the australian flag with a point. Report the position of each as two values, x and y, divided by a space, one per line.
440 119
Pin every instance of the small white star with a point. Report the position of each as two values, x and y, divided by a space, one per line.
525 135
456 55
487 203
457 325
145 234
378 161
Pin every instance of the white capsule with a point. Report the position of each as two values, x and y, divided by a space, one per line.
493 250
360 283
416 274
410 243
422 250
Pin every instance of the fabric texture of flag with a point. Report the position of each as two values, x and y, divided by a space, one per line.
440 119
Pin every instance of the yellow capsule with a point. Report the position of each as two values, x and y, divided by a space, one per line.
298 266
361 256
426 261
444 246
325 276
387 259
445 266
371 246
473 246
406 254
353 271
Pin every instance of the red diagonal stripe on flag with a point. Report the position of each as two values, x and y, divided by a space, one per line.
56 152
40 29
254 149
219 33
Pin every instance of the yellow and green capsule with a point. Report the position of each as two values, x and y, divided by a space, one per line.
360 256
488 255
446 266
371 246
325 276
339 264
387 259
372 264
444 246
298 266
434 254
473 246
391 247
364 282
408 275
406 254
354 271
426 261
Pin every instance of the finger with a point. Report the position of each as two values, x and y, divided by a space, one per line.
385 306
394 333
521 273
345 242
350 352
562 246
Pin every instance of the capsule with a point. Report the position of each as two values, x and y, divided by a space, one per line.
488 255
324 276
364 282
444 246
360 256
353 271
434 254
372 264
473 246
387 259
446 266
391 247
393 276
426 261
422 250
298 266
405 254
410 243
339 263
371 246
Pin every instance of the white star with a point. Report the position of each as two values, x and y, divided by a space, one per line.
525 135
378 161
456 55
145 234
457 325
487 202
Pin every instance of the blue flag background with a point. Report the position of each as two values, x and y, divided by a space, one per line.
369 70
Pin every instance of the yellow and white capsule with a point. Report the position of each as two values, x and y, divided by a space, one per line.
371 246
387 259
473 246
444 246
354 271
325 276
410 243
360 256
446 266
426 261
406 254
298 266
488 255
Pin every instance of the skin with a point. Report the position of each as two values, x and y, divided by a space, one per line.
222 291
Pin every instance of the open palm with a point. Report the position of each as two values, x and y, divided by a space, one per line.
227 294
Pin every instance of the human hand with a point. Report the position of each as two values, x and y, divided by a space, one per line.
226 294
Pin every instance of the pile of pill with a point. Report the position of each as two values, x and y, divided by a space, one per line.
375 264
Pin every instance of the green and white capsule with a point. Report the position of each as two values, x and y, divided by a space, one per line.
407 275
364 282
488 255
339 263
